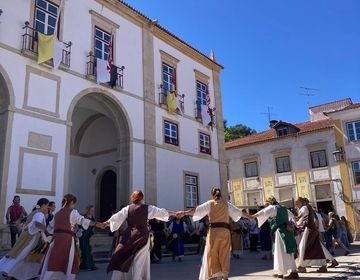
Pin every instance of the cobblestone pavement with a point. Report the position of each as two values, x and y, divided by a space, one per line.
248 267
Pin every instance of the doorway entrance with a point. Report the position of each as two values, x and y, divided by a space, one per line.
326 206
107 195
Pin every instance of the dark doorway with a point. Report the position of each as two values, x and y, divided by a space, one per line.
326 206
107 195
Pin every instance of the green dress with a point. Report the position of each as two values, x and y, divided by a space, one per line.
87 261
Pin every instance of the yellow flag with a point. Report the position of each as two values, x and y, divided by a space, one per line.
45 47
171 102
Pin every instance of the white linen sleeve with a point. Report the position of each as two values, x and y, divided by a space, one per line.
32 228
234 212
266 213
117 219
304 212
157 213
201 211
50 227
77 219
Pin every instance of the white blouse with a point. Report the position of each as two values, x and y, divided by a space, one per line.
38 217
154 212
269 212
204 209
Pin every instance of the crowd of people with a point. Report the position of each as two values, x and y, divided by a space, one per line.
49 245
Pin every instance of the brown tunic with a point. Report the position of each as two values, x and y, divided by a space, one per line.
134 238
63 238
313 250
218 255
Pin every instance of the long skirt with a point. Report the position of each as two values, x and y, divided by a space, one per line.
283 262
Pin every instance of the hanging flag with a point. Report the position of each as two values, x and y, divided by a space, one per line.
110 55
171 102
207 97
58 53
102 74
113 75
206 119
45 47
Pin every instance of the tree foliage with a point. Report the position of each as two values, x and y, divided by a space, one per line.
237 131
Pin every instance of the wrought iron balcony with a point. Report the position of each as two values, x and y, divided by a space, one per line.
30 44
163 101
91 70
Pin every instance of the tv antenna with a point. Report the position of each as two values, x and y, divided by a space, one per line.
268 113
309 92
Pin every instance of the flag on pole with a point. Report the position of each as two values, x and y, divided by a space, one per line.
205 116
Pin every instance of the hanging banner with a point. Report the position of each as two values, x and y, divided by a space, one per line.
302 182
268 186
237 188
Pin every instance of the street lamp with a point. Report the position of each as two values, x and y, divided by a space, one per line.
339 154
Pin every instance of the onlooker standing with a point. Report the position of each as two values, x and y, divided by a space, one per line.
177 229
343 233
157 227
265 239
245 225
348 229
14 216
334 229
321 225
254 235
236 239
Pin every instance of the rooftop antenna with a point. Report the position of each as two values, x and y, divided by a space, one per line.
268 113
309 92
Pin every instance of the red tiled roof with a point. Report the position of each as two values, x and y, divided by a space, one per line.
352 106
167 31
270 134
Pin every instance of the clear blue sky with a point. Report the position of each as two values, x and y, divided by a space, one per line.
270 48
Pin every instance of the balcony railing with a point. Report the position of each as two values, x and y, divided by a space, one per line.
163 101
30 44
91 70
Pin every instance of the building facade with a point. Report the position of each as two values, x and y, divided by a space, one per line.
291 160
63 132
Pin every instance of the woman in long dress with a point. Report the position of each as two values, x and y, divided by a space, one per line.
216 258
131 259
24 259
62 260
87 260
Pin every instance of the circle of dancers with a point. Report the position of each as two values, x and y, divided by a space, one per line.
48 246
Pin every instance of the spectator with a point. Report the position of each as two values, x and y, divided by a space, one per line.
157 227
254 235
265 240
236 239
87 261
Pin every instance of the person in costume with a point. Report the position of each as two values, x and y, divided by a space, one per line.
283 236
216 258
177 230
24 260
62 260
15 214
87 261
310 248
131 258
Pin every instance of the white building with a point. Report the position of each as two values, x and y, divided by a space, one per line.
62 132
291 160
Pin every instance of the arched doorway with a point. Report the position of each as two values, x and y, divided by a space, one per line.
107 195
99 160
6 118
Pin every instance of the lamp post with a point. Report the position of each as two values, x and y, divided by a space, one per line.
339 154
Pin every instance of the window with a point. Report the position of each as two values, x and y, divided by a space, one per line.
353 131
282 131
318 159
251 169
171 133
283 164
201 90
169 78
205 145
191 191
356 172
45 16
102 42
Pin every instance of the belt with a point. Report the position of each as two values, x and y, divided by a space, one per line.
70 232
219 225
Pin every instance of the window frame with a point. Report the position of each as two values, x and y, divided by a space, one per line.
202 148
167 138
312 159
193 202
202 99
356 133
170 76
48 14
277 164
356 182
103 42
245 169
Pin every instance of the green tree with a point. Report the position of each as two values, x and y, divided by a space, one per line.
236 131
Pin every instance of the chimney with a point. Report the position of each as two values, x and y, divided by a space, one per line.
272 123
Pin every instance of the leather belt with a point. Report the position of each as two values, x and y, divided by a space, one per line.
219 225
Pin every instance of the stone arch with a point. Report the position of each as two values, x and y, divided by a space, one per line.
118 115
7 104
